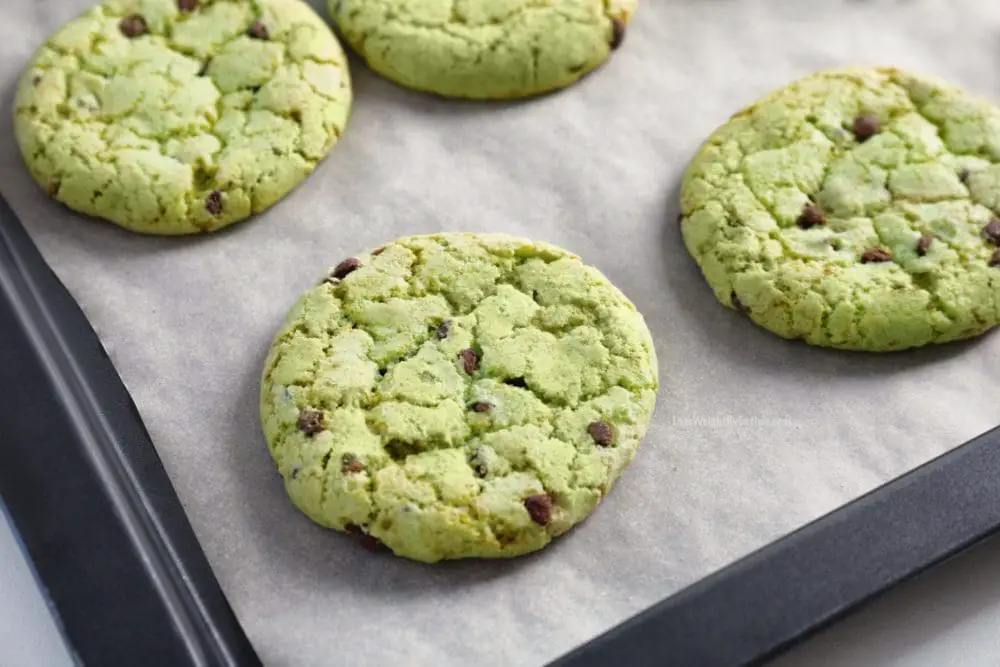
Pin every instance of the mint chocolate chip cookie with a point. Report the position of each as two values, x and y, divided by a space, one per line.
484 49
458 395
856 209
182 116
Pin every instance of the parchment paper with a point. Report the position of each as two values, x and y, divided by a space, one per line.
753 435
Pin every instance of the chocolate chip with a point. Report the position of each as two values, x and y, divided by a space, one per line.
351 465
378 251
602 433
617 32
876 255
369 542
311 422
213 203
345 268
737 304
539 508
133 25
924 244
811 216
470 360
443 329
481 406
995 259
516 382
992 231
258 30
478 464
865 127
187 5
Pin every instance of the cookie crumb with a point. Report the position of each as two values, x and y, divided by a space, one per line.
992 231
924 244
602 433
995 259
876 255
213 203
351 465
470 360
811 216
539 508
865 127
443 329
345 268
258 30
133 25
617 33
311 422
481 406
187 6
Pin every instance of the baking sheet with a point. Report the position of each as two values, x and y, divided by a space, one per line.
753 436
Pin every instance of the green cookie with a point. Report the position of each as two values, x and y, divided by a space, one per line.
854 209
182 116
458 395
483 49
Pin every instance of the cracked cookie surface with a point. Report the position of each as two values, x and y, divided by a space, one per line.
856 208
484 49
458 395
182 116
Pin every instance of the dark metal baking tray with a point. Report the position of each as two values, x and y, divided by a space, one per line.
88 496
130 585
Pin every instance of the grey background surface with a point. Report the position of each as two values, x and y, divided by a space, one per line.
28 634
753 435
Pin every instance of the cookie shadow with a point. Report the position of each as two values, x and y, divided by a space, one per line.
371 88
743 343
290 542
